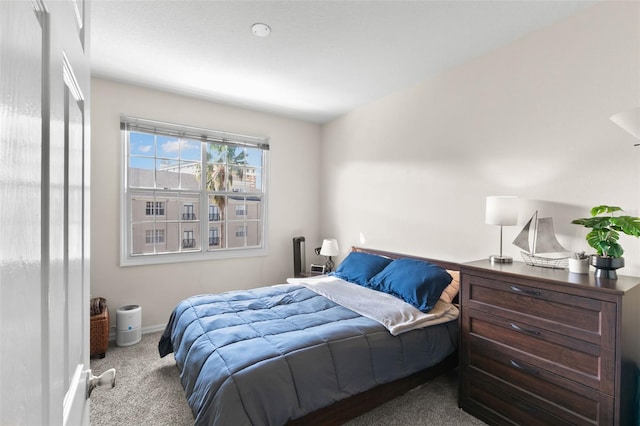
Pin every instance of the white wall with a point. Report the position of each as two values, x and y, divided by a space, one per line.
293 201
410 172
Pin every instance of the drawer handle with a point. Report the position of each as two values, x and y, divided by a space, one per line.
526 369
524 330
529 292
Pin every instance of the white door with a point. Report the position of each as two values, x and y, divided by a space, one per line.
44 212
21 300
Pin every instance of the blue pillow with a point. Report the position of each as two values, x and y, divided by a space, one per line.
359 267
417 282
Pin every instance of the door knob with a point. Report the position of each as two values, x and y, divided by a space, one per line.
108 378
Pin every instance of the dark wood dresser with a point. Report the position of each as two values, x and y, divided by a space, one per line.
542 346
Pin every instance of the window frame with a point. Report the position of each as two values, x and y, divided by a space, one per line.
203 251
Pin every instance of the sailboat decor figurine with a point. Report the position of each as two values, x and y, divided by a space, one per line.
540 245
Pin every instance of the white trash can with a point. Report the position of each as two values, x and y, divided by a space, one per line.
128 325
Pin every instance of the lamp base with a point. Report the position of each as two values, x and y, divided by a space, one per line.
329 265
494 258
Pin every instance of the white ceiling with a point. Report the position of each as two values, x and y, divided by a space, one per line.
322 59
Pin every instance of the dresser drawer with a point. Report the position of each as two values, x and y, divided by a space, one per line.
540 346
564 356
500 402
522 372
583 318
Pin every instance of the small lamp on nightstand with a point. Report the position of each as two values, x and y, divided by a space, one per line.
329 248
503 211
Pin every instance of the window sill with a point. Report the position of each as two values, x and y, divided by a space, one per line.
157 259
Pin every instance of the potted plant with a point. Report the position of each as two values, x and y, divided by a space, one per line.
606 227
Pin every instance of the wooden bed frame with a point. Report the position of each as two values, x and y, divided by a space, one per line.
349 408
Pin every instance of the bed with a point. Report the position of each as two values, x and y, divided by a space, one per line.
319 350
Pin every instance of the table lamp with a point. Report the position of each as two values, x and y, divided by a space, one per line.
503 211
329 248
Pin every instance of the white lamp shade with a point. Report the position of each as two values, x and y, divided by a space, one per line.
329 247
629 120
502 210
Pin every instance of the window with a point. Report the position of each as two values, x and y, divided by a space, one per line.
214 213
183 186
154 208
214 237
187 239
187 212
156 237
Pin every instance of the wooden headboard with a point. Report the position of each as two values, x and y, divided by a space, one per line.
443 263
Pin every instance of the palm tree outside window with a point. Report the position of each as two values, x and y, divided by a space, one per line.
225 173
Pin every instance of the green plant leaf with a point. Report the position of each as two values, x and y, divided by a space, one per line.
604 209
627 224
599 222
616 250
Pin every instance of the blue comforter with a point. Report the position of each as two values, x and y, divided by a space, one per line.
272 354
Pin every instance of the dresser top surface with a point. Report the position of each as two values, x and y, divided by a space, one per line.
559 276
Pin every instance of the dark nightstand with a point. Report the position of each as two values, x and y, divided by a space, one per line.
308 275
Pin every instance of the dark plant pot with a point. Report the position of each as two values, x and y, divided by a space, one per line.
606 266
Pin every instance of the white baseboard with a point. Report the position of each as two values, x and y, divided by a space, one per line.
153 328
145 330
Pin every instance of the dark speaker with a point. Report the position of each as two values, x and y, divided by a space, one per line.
298 256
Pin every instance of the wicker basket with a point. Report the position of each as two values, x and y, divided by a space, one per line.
99 341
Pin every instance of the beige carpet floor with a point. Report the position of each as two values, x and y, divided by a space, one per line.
148 392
